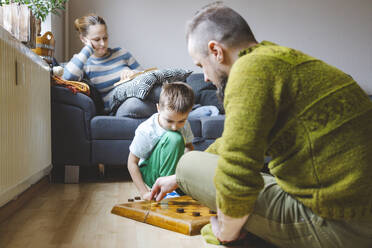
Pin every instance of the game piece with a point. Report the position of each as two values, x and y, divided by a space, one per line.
195 213
180 210
137 198
130 200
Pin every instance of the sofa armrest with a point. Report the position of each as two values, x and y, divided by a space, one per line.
71 132
65 96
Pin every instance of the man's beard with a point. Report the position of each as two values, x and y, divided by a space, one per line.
221 88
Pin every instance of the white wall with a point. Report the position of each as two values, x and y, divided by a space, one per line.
336 31
55 24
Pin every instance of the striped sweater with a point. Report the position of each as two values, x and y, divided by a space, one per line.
103 72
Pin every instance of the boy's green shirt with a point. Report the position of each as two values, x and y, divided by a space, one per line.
311 118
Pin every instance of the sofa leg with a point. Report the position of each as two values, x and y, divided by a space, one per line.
71 174
101 169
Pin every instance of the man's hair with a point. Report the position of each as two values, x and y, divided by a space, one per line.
177 96
217 22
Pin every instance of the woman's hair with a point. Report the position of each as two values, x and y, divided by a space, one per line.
178 97
83 23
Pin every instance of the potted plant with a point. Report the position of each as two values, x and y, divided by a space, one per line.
40 8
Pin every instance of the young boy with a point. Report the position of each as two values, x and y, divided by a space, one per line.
161 140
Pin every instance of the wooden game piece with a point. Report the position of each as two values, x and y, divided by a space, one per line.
195 213
137 198
130 200
180 210
212 212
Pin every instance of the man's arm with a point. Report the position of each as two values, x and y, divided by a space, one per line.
213 148
136 175
252 99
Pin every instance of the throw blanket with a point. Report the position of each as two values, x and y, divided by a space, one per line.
141 85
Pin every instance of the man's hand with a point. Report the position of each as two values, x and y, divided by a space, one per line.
227 229
162 186
147 196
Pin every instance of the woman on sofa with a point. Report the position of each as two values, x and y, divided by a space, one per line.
101 65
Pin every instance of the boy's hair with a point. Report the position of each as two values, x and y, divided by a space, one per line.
177 96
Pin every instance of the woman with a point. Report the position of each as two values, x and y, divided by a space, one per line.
102 65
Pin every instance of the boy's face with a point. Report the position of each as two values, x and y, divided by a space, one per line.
171 120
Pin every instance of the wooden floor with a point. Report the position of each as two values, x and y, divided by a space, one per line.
78 215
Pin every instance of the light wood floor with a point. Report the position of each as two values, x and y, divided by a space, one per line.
78 215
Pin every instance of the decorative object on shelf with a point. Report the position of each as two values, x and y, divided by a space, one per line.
45 47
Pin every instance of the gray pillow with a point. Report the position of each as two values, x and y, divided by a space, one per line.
141 85
136 108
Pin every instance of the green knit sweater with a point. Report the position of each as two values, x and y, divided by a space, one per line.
311 118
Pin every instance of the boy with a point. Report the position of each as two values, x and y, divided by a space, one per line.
161 140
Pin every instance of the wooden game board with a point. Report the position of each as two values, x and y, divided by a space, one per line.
164 214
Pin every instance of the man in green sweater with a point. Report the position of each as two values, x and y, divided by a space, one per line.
312 119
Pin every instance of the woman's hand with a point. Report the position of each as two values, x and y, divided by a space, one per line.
87 42
162 186
127 74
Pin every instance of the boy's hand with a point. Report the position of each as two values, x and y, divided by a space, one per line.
162 186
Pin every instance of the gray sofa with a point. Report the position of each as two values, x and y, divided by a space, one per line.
81 137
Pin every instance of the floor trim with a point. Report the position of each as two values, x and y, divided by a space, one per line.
11 207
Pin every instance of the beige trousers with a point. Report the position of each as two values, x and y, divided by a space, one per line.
277 217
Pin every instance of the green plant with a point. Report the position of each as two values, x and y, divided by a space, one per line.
40 8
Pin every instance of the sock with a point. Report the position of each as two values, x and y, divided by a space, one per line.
208 235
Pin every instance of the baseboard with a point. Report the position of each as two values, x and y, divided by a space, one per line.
11 207
13 191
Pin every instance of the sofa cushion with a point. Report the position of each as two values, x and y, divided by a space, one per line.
205 92
195 126
123 128
114 128
212 127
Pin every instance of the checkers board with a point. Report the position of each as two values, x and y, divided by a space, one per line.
179 214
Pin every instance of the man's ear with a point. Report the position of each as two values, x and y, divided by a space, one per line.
216 50
157 106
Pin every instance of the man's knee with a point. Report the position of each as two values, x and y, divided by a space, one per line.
191 162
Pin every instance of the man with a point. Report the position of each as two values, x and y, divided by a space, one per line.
311 118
